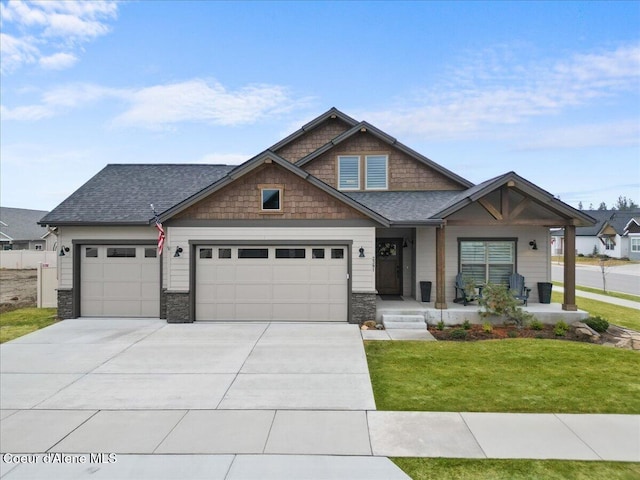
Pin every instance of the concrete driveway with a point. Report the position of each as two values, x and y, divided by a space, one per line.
121 364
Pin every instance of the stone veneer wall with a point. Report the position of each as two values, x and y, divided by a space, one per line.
65 304
363 307
177 307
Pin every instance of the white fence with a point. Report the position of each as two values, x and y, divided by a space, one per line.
23 259
47 286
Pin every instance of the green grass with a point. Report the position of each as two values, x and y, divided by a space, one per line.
612 262
467 469
624 296
623 316
513 375
25 320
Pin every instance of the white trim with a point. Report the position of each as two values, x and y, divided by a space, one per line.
280 198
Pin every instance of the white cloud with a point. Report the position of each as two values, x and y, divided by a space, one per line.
161 106
44 30
200 101
620 134
58 61
475 98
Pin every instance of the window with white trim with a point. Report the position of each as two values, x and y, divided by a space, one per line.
272 199
635 245
349 172
487 261
376 172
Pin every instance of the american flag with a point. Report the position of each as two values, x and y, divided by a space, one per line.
161 234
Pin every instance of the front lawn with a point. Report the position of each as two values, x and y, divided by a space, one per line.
514 375
622 316
25 320
455 468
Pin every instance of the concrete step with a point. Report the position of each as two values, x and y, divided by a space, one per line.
404 321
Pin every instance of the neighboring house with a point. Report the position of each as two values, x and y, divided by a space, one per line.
311 229
19 230
608 236
632 231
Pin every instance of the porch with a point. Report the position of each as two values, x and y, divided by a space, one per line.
456 313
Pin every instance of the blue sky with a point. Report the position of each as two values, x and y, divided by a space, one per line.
550 90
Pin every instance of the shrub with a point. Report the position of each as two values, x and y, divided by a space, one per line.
440 325
536 324
458 334
466 325
598 323
561 329
512 334
487 327
497 300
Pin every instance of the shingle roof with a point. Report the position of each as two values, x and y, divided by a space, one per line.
405 207
618 219
121 194
21 223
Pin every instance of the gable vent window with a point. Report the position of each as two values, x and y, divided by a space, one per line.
376 168
349 172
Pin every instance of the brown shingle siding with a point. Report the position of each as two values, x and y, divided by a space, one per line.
313 140
405 173
241 200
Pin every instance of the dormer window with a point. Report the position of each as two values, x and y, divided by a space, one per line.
349 172
375 167
376 172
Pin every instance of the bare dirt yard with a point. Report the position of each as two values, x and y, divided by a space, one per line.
18 289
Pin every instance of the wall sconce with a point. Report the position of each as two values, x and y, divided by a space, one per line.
178 252
63 251
361 250
404 243
533 245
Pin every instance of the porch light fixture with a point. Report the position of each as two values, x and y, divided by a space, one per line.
178 252
533 245
63 251
361 252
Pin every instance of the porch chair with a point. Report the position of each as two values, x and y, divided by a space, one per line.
465 296
517 288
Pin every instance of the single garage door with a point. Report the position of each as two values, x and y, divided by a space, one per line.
301 283
119 281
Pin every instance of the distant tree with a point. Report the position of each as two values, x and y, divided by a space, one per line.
625 204
579 205
591 206
602 206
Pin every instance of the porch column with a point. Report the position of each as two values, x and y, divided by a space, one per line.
440 269
569 268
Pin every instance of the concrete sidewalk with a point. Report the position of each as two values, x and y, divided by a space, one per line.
602 298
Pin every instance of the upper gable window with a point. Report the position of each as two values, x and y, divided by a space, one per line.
376 172
349 172
271 199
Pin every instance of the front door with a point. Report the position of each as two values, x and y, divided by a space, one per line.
389 266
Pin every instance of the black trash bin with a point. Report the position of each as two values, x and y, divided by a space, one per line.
425 291
544 292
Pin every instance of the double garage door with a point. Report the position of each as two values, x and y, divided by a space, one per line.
247 282
119 281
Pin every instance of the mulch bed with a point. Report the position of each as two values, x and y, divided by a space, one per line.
499 332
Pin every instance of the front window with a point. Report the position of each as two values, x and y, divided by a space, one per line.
349 172
488 261
376 166
635 245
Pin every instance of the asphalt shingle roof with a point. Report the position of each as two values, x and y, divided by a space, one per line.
411 206
21 223
121 194
616 218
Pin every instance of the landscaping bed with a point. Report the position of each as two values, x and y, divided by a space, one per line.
498 332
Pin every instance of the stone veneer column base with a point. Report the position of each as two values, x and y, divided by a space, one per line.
65 303
178 307
363 307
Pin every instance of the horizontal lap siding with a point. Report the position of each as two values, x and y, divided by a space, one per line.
534 265
363 275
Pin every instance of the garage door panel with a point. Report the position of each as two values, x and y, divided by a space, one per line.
119 286
272 288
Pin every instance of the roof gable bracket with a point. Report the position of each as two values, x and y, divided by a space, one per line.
493 211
